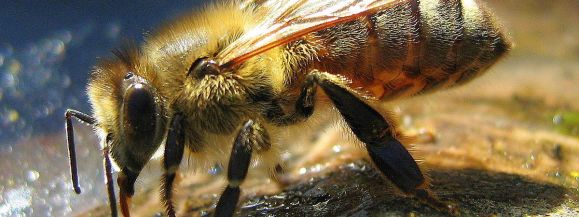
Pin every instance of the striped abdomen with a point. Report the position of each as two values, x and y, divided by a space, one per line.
413 47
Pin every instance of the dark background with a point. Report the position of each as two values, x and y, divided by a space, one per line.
47 49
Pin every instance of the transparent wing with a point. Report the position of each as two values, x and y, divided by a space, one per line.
289 20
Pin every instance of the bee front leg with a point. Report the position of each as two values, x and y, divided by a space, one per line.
251 135
171 159
72 157
387 153
109 181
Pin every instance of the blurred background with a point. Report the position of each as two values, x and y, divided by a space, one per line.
47 49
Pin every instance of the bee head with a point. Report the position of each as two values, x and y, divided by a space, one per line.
129 110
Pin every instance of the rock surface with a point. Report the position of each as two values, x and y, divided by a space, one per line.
357 189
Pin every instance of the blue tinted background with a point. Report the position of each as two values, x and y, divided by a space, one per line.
47 49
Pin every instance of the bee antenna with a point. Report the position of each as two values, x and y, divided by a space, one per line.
69 114
127 52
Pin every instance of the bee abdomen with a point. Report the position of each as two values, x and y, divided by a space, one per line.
413 47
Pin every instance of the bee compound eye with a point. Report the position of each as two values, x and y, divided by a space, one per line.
141 108
202 67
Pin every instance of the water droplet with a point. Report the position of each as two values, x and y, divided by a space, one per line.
337 148
316 168
57 47
113 30
10 116
32 175
14 67
7 80
557 119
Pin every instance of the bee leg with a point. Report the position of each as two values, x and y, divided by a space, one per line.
387 153
72 157
172 157
69 114
304 107
238 166
109 182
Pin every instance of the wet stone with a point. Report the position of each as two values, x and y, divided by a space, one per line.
357 189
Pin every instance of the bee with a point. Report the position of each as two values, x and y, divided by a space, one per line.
231 77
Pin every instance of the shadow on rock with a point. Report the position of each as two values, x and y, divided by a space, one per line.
358 190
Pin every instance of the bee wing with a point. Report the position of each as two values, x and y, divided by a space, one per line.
287 21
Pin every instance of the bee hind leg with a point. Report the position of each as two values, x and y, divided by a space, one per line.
387 152
172 157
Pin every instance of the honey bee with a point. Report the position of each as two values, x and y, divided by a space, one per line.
229 78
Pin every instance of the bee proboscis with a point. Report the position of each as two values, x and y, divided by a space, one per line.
238 72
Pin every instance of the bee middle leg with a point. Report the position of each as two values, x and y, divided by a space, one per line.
250 137
172 157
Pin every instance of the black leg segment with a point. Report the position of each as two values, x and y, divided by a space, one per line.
370 127
172 157
227 202
69 114
237 170
389 155
109 182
